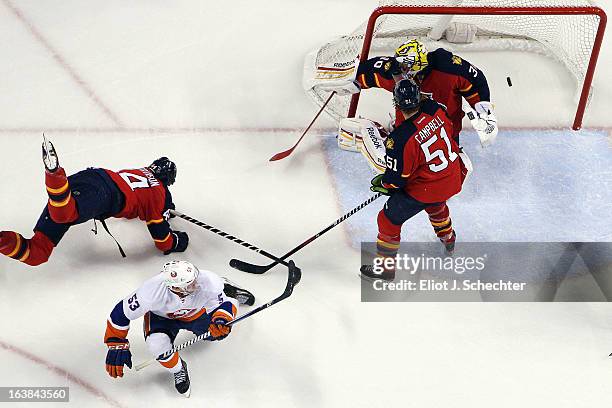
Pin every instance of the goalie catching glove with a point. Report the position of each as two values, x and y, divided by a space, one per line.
339 78
484 122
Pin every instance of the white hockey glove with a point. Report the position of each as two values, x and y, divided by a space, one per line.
484 122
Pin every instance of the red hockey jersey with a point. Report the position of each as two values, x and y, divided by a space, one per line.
422 158
447 78
148 199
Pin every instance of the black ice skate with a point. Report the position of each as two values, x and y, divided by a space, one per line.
368 273
49 155
243 296
449 244
181 381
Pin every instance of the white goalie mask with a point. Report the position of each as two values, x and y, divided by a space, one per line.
181 277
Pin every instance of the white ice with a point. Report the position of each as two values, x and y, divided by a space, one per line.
217 87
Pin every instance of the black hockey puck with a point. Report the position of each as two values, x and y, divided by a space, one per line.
509 81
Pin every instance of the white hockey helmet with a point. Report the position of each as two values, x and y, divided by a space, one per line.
180 276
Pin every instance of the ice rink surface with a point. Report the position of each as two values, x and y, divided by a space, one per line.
218 89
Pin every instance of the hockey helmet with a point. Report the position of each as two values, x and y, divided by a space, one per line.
164 170
412 56
406 95
180 277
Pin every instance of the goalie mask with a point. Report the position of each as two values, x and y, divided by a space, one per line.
412 56
180 277
164 170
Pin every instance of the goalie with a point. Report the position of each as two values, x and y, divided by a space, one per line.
448 78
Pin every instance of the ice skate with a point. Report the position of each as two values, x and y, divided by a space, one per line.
181 381
49 155
367 273
243 296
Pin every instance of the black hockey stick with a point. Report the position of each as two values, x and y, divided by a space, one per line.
293 278
259 269
230 237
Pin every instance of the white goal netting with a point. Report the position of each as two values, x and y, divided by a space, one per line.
567 38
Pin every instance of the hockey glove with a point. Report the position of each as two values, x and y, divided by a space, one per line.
218 329
117 356
181 240
485 123
378 187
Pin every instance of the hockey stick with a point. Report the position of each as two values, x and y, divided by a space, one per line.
230 237
293 279
282 155
259 269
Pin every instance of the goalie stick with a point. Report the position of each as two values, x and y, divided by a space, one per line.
259 269
229 236
282 155
293 279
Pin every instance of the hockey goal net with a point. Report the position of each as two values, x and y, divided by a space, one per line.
570 31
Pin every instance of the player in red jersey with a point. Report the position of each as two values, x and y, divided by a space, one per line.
448 78
424 169
98 194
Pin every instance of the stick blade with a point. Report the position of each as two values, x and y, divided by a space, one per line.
281 155
295 273
247 267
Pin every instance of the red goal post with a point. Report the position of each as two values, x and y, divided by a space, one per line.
569 31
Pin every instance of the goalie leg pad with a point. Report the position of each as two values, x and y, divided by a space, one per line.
466 166
373 145
349 134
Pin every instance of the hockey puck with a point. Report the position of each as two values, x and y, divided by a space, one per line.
509 81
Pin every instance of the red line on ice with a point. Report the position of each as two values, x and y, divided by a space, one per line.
57 56
60 372
77 129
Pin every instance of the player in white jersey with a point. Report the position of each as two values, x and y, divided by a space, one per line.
181 297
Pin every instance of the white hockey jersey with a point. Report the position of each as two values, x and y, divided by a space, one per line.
155 297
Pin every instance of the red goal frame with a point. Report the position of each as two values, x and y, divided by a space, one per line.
446 10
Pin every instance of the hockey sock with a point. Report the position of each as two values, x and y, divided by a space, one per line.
440 219
388 242
62 206
33 252
172 363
